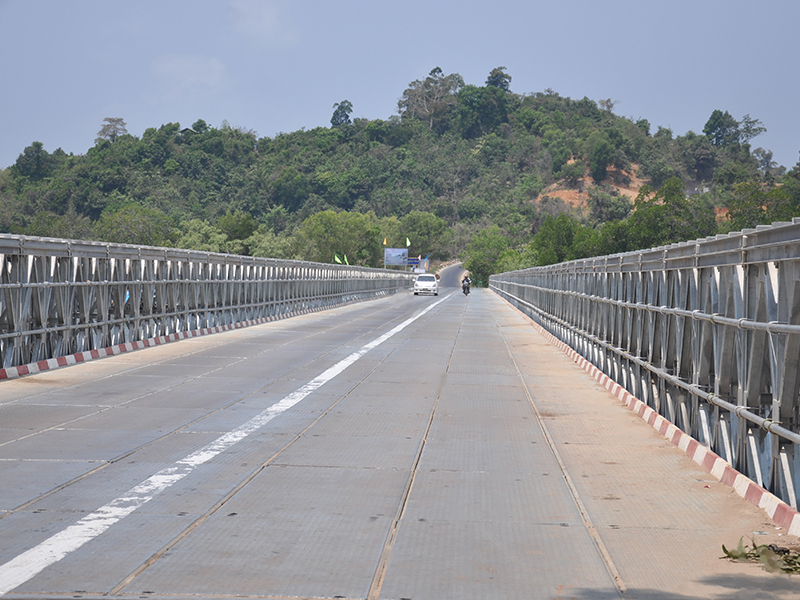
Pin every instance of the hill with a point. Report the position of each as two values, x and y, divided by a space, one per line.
458 162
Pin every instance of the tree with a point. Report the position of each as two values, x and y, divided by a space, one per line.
238 226
499 78
607 207
573 173
200 126
553 242
749 128
484 252
429 233
35 162
264 242
113 128
481 109
341 114
330 233
608 104
196 234
723 130
600 152
431 99
666 216
67 226
764 158
136 224
753 203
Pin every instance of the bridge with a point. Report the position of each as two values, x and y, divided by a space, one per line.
269 429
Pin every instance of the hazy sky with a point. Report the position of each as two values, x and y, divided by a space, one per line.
278 65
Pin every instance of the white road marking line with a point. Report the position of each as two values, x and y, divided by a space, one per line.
32 562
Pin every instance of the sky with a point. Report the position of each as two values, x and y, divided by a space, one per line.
275 66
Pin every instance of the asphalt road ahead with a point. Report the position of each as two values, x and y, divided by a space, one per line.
411 447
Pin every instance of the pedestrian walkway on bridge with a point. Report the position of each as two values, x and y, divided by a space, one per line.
422 448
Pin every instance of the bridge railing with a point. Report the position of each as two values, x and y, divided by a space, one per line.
61 297
707 333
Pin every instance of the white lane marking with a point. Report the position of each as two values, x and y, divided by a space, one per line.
32 562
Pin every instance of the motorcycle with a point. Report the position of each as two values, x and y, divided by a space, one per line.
465 288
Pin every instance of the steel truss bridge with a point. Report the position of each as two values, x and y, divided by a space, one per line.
706 333
62 297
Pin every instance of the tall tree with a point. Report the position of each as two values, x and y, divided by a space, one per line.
499 78
753 203
350 234
481 109
111 130
432 98
484 252
35 162
430 234
136 224
667 216
749 128
341 114
721 128
600 152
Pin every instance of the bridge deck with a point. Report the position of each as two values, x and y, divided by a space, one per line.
462 457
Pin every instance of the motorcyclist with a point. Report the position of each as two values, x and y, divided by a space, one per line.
466 282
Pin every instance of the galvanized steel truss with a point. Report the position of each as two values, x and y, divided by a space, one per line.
707 333
59 297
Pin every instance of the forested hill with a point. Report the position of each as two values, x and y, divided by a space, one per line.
478 171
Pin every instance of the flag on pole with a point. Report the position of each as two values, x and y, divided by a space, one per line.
345 260
408 242
384 241
337 259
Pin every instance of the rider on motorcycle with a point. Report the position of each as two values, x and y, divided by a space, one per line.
465 283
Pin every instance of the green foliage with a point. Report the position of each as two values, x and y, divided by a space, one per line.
237 226
480 110
553 242
341 114
428 234
199 235
499 78
484 253
35 163
263 242
457 160
773 558
135 224
753 203
667 216
605 206
431 99
113 127
572 173
723 130
600 151
66 226
330 233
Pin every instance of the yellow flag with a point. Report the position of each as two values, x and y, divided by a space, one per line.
384 241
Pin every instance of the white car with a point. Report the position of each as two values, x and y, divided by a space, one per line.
426 284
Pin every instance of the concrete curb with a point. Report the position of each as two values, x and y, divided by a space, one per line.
780 512
80 357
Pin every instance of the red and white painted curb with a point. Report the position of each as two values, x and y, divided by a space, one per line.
780 512
73 359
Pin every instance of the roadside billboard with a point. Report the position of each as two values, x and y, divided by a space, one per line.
395 256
